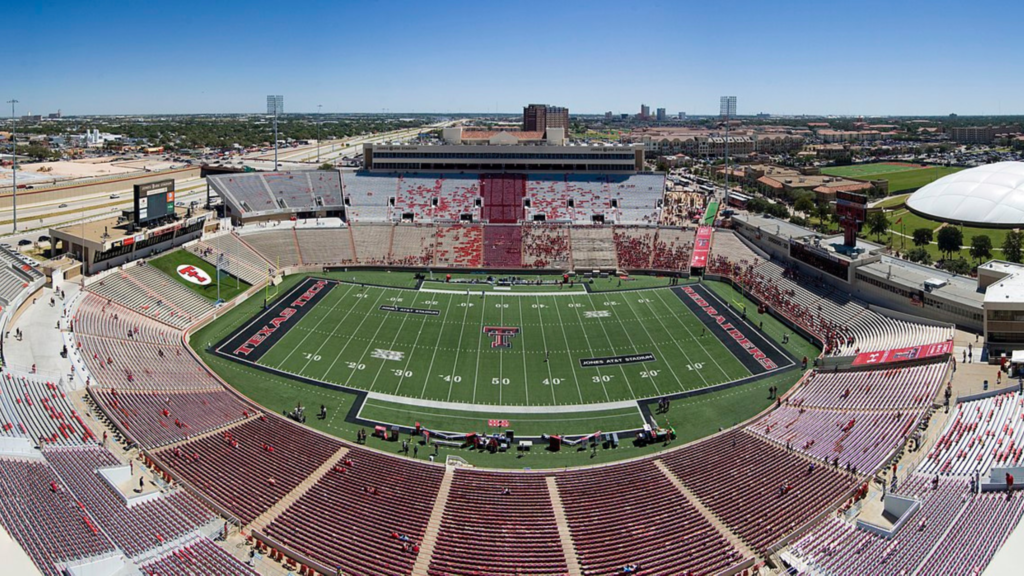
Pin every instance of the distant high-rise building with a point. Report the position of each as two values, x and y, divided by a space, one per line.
682 115
540 117
275 105
728 107
645 111
662 116
608 115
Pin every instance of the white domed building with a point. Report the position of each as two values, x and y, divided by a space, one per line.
990 196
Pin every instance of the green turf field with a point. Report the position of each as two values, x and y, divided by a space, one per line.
229 285
901 178
866 170
348 340
913 179
692 417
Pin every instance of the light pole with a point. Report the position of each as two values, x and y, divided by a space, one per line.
318 107
220 258
14 169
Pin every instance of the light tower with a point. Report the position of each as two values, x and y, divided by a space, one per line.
14 169
275 106
727 109
318 108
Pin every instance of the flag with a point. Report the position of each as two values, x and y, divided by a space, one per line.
900 220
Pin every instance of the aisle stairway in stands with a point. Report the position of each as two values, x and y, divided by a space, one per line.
564 534
708 515
422 564
271 514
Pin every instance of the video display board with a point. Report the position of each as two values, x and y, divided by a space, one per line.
153 201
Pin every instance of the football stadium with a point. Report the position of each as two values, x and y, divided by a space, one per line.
500 369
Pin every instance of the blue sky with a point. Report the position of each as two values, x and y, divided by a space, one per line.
822 57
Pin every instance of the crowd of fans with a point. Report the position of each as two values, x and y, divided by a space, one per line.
545 246
680 208
633 247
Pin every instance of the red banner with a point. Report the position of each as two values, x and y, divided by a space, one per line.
904 354
498 423
701 247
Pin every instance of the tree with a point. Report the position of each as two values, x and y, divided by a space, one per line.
804 204
923 236
326 166
950 239
958 266
981 247
919 254
1013 245
878 223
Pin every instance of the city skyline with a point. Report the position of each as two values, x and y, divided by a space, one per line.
869 58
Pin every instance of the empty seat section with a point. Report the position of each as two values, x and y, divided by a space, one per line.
761 492
277 245
644 520
134 529
413 245
200 556
249 467
367 515
31 405
44 518
498 523
503 197
325 246
156 418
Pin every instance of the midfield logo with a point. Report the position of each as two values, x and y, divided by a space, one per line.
387 354
597 314
502 336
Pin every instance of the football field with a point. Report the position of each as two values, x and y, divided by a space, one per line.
445 348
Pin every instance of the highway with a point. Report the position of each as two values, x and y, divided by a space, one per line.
35 220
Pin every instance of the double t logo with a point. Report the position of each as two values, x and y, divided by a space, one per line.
502 336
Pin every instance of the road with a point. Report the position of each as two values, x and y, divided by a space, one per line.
35 220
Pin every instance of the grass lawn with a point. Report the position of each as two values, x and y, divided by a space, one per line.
901 178
692 418
896 201
229 285
911 180
866 170
912 222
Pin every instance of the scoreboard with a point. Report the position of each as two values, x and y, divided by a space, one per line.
153 201
852 205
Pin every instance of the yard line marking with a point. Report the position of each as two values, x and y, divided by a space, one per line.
612 345
712 356
568 352
392 345
579 319
430 369
301 342
544 339
462 332
349 341
662 354
479 343
522 347
408 359
501 357
679 346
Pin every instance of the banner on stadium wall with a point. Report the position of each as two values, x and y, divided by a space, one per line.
701 247
904 354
